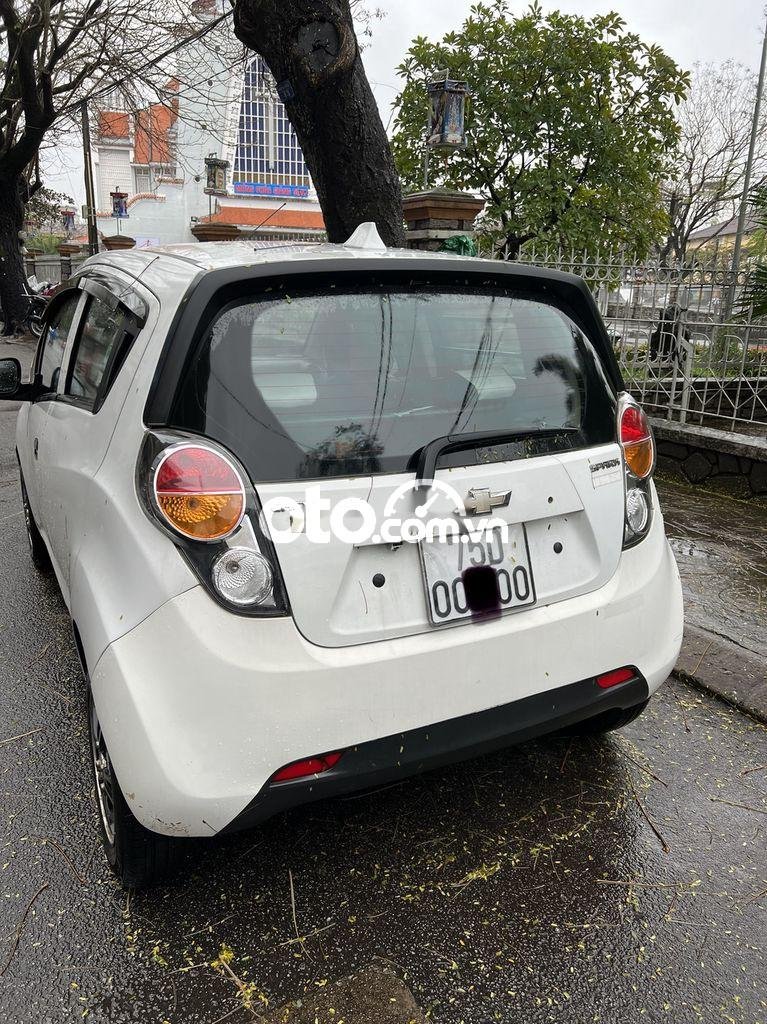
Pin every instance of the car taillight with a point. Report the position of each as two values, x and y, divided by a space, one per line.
199 492
637 441
243 577
307 767
635 436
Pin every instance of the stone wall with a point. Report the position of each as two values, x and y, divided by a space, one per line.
735 464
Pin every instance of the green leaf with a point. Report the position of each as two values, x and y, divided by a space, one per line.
571 125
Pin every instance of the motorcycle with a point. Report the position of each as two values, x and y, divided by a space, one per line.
39 292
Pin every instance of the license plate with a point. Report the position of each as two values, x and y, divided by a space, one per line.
444 563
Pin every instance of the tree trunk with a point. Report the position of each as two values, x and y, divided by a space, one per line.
510 248
311 49
12 278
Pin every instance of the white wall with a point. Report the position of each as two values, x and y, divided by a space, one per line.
163 220
113 168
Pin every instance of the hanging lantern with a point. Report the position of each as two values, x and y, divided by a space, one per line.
119 203
447 120
215 175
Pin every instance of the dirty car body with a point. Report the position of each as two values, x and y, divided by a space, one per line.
179 392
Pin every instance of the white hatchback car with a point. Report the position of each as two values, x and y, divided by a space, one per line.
228 456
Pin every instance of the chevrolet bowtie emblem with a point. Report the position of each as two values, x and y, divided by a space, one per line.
480 501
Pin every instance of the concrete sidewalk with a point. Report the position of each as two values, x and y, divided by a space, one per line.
720 545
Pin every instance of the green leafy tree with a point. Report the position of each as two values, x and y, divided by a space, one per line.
571 126
753 300
42 214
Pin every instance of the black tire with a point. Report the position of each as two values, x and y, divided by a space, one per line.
608 721
138 857
38 552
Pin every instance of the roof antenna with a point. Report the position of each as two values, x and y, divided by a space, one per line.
366 237
269 217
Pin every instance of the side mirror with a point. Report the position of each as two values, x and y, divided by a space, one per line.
10 378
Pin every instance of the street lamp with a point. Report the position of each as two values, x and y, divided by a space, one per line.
215 175
447 117
119 205
215 178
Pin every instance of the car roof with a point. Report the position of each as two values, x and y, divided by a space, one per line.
166 268
155 264
209 256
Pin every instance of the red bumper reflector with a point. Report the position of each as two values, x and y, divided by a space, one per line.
618 675
310 766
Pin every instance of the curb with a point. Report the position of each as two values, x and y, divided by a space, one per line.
721 667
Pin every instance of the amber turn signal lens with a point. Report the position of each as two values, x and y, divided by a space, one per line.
202 516
640 457
199 493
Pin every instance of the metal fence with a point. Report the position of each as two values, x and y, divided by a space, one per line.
686 349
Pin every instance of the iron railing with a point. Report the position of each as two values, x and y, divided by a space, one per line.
687 349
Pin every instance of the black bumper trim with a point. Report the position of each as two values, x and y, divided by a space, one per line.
396 757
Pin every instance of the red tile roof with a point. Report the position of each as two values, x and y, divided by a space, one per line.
247 216
114 124
152 144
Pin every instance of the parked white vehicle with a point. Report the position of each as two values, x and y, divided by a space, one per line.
227 456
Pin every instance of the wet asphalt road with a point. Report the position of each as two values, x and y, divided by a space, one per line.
582 881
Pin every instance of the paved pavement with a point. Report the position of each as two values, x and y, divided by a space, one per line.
581 881
720 545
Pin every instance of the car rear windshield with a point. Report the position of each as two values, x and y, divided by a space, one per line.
356 380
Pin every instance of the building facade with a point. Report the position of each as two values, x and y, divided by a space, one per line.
157 156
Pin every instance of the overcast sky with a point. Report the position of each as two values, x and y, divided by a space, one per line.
689 31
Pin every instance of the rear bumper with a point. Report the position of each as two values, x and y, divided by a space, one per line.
398 757
200 708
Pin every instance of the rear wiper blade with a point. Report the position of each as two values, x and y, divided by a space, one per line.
430 453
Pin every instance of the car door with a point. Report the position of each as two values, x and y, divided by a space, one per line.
83 418
60 323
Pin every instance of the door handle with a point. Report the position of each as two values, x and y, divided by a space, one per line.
35 446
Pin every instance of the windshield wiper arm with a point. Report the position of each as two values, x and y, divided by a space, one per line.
430 453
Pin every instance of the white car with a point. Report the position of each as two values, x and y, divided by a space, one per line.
233 459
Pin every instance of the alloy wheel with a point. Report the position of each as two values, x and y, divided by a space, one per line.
102 770
27 517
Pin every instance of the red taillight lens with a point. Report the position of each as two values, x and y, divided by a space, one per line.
637 441
634 425
618 675
310 766
199 492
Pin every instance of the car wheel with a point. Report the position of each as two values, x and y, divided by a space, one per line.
138 857
37 549
608 721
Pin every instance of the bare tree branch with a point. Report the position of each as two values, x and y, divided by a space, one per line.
715 123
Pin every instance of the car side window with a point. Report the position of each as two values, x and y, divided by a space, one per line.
102 332
54 342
